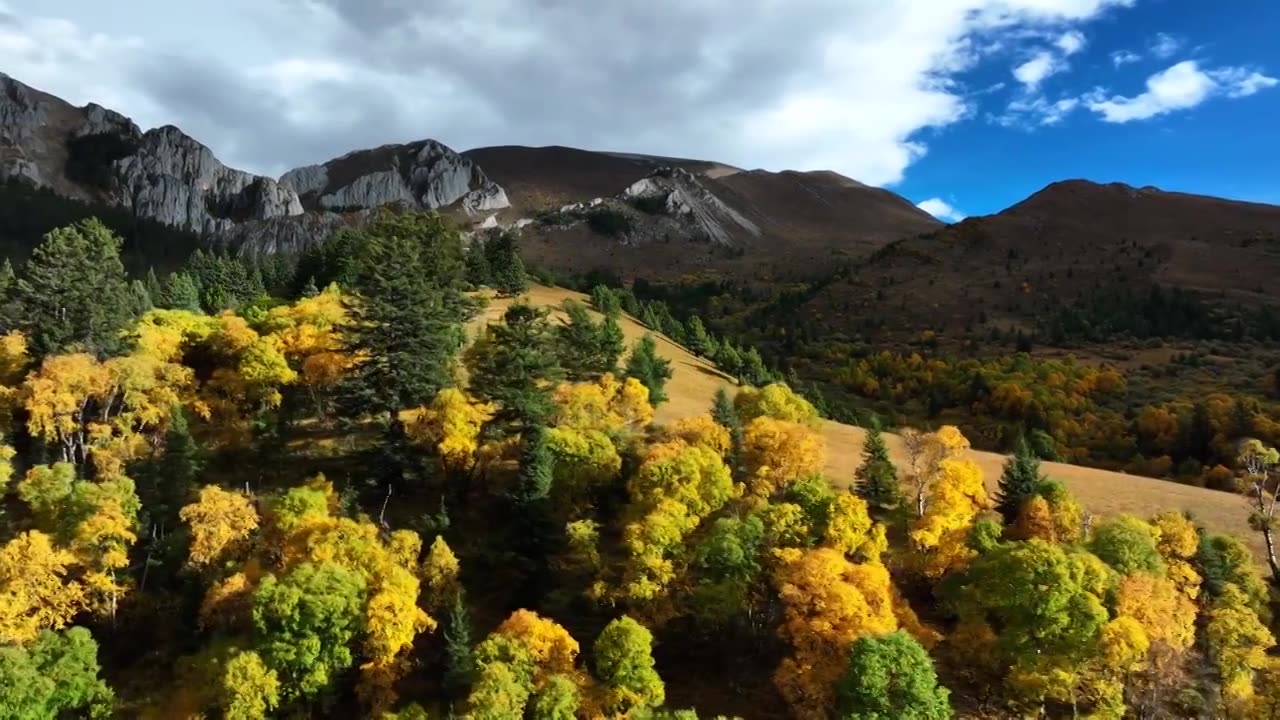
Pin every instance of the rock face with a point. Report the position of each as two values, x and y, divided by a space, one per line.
96 154
681 195
424 174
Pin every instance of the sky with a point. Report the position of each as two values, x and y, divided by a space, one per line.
962 106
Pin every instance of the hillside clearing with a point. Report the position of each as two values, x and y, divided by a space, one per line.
1104 493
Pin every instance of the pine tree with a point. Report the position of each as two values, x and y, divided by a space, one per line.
139 299
479 273
515 365
179 467
728 359
408 313
605 301
459 658
699 341
649 318
154 289
723 413
180 293
753 370
587 349
533 526
506 269
74 292
652 370
876 480
1020 480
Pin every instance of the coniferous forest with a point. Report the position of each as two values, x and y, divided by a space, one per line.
321 487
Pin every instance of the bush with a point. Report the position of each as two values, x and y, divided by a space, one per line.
609 221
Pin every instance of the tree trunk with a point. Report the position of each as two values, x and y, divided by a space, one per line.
1271 552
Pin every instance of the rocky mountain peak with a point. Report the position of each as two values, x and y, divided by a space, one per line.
424 174
681 194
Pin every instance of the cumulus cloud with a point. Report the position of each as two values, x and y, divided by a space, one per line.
1124 57
756 83
942 210
1179 87
1034 71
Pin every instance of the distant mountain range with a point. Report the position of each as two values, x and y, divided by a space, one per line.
636 215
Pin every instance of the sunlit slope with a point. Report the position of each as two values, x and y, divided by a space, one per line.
1102 492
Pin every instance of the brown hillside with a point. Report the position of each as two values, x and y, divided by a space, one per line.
805 219
1071 242
1104 493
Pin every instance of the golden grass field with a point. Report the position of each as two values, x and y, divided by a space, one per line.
1104 493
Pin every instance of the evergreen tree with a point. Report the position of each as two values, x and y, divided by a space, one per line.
179 467
753 370
478 272
139 299
588 349
310 290
652 370
180 293
876 480
1020 480
699 341
407 318
723 413
459 658
515 366
73 291
605 301
506 269
534 528
728 359
154 289
7 277
649 318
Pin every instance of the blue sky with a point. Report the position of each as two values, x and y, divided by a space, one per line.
963 106
1218 146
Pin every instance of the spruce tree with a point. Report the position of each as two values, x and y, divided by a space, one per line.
515 365
876 480
180 293
139 299
310 290
408 313
459 658
506 269
753 370
154 289
587 349
605 301
73 291
723 413
532 522
179 467
1020 480
477 261
700 342
728 359
652 370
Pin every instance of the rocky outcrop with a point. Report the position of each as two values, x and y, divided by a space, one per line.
678 193
93 153
424 174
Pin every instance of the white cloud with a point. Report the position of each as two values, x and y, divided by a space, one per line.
1124 57
1180 87
1071 42
811 84
1241 82
1164 46
1034 71
942 210
1029 112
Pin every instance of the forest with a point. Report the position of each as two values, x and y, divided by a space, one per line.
260 488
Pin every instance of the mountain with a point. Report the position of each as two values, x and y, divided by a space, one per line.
628 214
670 216
1076 261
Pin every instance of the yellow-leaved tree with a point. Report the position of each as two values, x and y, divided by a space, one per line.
450 426
828 602
957 496
36 589
778 453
